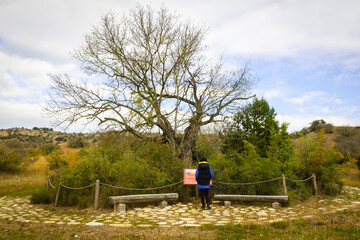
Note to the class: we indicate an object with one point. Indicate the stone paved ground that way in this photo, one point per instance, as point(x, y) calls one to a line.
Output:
point(19, 209)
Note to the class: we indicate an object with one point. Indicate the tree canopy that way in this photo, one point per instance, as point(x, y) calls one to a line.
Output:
point(255, 123)
point(158, 78)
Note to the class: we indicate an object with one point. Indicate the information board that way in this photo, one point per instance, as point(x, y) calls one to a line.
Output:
point(189, 176)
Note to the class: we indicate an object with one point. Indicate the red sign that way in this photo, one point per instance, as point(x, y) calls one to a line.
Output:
point(189, 176)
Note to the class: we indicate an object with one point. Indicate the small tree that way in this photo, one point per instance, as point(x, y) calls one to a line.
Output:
point(157, 79)
point(255, 123)
point(10, 160)
point(312, 156)
point(317, 125)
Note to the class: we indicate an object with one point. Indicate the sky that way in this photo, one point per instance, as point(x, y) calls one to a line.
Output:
point(305, 53)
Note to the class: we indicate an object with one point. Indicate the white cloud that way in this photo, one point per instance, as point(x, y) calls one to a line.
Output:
point(325, 110)
point(273, 93)
point(51, 28)
point(26, 78)
point(306, 97)
point(338, 101)
point(13, 114)
point(298, 122)
point(291, 28)
point(349, 109)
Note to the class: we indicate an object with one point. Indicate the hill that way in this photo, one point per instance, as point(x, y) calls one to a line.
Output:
point(40, 137)
point(346, 139)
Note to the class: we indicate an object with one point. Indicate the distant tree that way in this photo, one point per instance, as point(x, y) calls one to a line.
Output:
point(60, 139)
point(317, 125)
point(157, 79)
point(48, 148)
point(78, 142)
point(9, 131)
point(11, 160)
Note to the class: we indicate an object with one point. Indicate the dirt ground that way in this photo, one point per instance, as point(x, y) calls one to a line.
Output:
point(18, 230)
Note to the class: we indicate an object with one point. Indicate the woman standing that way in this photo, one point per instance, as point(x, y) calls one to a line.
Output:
point(203, 177)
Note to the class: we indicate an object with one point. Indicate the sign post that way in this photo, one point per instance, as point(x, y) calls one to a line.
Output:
point(189, 179)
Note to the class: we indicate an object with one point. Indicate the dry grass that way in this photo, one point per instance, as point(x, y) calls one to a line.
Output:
point(351, 174)
point(33, 177)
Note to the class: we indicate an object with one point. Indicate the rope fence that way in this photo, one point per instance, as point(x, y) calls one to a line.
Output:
point(243, 184)
point(49, 183)
point(142, 189)
point(98, 183)
point(304, 180)
point(76, 188)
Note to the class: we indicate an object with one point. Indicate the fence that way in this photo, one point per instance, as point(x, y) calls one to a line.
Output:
point(283, 177)
point(98, 183)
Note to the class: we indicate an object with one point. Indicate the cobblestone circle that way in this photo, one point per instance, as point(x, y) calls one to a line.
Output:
point(19, 209)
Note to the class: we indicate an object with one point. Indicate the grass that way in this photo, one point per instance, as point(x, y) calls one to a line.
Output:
point(352, 176)
point(342, 225)
point(25, 182)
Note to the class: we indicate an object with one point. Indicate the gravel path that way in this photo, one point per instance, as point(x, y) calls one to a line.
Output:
point(20, 209)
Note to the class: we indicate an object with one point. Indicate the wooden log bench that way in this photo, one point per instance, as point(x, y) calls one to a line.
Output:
point(120, 201)
point(251, 198)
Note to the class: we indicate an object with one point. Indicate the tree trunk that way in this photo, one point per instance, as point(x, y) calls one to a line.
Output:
point(188, 144)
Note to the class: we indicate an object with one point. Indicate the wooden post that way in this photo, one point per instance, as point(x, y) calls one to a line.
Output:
point(284, 184)
point(185, 192)
point(315, 185)
point(196, 193)
point(96, 198)
point(57, 194)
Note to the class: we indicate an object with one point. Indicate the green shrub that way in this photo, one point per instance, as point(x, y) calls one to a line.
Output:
point(10, 160)
point(77, 142)
point(47, 148)
point(247, 167)
point(312, 156)
point(118, 162)
point(56, 159)
point(41, 196)
point(60, 139)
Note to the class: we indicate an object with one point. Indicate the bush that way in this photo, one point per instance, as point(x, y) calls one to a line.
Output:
point(56, 159)
point(247, 167)
point(10, 160)
point(78, 142)
point(48, 148)
point(60, 139)
point(312, 156)
point(41, 196)
point(124, 162)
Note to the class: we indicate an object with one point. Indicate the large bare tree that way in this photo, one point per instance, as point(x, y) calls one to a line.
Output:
point(157, 78)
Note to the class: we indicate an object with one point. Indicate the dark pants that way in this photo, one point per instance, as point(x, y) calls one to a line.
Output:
point(204, 193)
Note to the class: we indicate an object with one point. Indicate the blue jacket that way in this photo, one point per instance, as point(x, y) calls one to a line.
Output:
point(199, 186)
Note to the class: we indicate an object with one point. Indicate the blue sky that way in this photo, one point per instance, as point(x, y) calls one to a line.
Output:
point(305, 53)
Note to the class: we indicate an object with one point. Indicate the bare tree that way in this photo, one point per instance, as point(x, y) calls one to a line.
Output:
point(157, 78)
